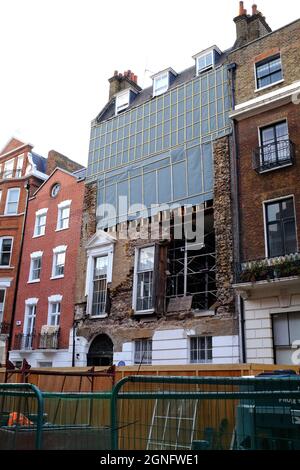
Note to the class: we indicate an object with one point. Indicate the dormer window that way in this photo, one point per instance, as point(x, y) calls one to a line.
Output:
point(206, 60)
point(160, 84)
point(162, 81)
point(122, 101)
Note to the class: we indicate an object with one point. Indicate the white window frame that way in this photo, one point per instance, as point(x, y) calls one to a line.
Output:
point(11, 172)
point(29, 303)
point(135, 279)
point(121, 107)
point(38, 214)
point(3, 304)
point(206, 360)
point(162, 89)
point(207, 66)
point(93, 253)
point(60, 208)
point(9, 191)
point(5, 266)
point(264, 208)
point(56, 251)
point(34, 256)
point(19, 167)
point(143, 342)
point(54, 300)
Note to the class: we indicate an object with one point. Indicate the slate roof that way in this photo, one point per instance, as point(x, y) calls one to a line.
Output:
point(145, 95)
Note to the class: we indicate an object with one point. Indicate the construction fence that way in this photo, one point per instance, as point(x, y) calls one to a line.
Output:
point(101, 379)
point(156, 413)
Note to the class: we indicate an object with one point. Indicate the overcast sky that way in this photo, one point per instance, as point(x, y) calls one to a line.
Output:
point(57, 55)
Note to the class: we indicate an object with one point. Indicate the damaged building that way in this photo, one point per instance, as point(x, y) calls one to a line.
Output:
point(155, 267)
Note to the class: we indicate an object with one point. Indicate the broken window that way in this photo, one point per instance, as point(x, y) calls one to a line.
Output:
point(191, 272)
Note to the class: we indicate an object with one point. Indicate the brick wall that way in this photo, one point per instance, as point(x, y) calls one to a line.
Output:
point(286, 40)
point(56, 159)
point(71, 189)
point(255, 188)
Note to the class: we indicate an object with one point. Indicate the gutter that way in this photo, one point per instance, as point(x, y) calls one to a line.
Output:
point(239, 305)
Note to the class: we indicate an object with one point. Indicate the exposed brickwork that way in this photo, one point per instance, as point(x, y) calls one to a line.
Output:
point(87, 230)
point(223, 226)
point(58, 160)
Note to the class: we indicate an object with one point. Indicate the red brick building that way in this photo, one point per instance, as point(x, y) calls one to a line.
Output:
point(19, 166)
point(267, 171)
point(45, 301)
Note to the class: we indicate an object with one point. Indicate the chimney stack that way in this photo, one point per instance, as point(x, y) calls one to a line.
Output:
point(249, 27)
point(119, 82)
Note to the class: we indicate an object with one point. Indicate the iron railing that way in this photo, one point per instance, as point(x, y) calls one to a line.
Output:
point(49, 340)
point(25, 342)
point(274, 155)
point(269, 268)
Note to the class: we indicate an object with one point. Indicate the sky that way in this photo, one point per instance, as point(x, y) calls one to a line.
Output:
point(57, 55)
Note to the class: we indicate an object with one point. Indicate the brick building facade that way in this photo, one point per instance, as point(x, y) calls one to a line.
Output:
point(22, 171)
point(267, 170)
point(162, 146)
point(43, 322)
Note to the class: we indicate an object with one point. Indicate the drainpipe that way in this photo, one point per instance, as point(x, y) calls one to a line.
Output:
point(239, 302)
point(10, 334)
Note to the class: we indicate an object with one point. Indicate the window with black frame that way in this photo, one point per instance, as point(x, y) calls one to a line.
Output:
point(281, 227)
point(268, 71)
point(275, 145)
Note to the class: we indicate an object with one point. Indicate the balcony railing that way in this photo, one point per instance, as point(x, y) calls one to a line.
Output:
point(27, 342)
point(269, 268)
point(4, 328)
point(49, 340)
point(274, 155)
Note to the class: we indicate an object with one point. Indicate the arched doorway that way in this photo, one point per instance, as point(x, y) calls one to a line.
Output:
point(101, 351)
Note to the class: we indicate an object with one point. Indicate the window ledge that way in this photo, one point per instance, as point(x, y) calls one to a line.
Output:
point(60, 229)
point(204, 313)
point(262, 172)
point(257, 90)
point(6, 267)
point(33, 281)
point(37, 236)
point(144, 312)
point(57, 277)
point(105, 315)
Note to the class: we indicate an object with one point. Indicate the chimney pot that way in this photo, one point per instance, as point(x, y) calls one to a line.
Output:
point(254, 9)
point(241, 10)
point(115, 73)
point(132, 77)
point(135, 79)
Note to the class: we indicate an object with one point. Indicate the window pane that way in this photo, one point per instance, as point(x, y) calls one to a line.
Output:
point(290, 240)
point(146, 258)
point(273, 211)
point(275, 240)
point(281, 331)
point(294, 324)
point(101, 264)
